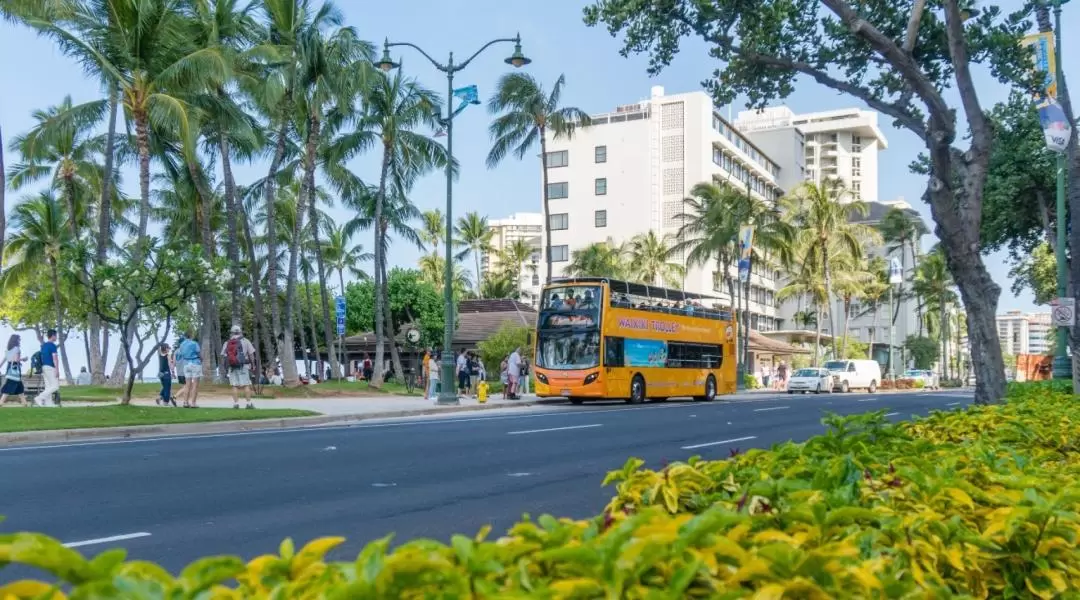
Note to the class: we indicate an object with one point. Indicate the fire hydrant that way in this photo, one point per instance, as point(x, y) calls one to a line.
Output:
point(482, 392)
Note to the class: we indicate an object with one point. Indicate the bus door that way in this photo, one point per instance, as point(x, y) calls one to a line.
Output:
point(616, 376)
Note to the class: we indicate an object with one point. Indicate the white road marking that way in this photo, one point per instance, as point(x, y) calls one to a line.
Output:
point(771, 408)
point(720, 443)
point(867, 400)
point(553, 429)
point(954, 404)
point(383, 485)
point(329, 448)
point(518, 474)
point(107, 540)
point(892, 414)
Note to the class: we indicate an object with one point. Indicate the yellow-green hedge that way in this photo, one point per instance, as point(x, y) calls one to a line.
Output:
point(973, 504)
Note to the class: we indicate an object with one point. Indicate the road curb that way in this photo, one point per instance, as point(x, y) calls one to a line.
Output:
point(119, 433)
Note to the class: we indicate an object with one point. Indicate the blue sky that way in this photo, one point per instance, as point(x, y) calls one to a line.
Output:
point(34, 75)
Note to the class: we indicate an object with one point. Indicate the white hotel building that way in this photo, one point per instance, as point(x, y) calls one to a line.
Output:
point(527, 227)
point(632, 169)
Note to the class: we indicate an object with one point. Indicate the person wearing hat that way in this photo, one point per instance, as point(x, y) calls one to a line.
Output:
point(239, 355)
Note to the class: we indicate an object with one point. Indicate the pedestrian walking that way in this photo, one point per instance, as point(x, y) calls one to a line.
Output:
point(178, 366)
point(781, 376)
point(526, 369)
point(504, 376)
point(424, 373)
point(50, 374)
point(13, 385)
point(166, 366)
point(191, 353)
point(369, 368)
point(239, 353)
point(432, 392)
point(462, 366)
point(513, 369)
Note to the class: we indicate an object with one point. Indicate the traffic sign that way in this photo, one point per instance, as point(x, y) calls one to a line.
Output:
point(1063, 312)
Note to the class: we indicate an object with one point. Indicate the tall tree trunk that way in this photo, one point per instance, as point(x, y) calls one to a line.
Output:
point(303, 337)
point(479, 290)
point(256, 288)
point(142, 140)
point(307, 195)
point(328, 324)
point(547, 209)
point(380, 324)
point(873, 335)
point(847, 322)
point(232, 248)
point(314, 338)
point(395, 357)
point(60, 333)
point(3, 201)
point(269, 198)
point(99, 334)
point(817, 335)
point(828, 294)
point(944, 337)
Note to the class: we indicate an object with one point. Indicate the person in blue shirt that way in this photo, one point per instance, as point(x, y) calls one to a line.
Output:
point(50, 372)
point(190, 352)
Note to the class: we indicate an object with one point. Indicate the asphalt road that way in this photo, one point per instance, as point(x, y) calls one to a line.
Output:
point(174, 500)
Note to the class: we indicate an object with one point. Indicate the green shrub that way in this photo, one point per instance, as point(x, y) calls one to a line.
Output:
point(751, 382)
point(980, 503)
point(918, 384)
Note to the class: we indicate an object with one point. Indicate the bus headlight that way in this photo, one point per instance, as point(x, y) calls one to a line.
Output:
point(591, 377)
point(541, 378)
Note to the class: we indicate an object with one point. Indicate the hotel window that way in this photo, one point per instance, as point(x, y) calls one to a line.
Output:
point(558, 159)
point(600, 218)
point(856, 189)
point(856, 144)
point(601, 186)
point(558, 222)
point(558, 190)
point(535, 279)
point(856, 167)
point(560, 253)
point(600, 154)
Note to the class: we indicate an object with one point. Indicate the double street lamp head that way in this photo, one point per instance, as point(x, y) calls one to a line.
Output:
point(516, 60)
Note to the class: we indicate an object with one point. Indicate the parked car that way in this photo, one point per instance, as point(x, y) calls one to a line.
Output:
point(810, 380)
point(854, 374)
point(929, 378)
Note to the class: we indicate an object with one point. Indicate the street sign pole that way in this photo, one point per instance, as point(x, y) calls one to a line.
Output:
point(339, 306)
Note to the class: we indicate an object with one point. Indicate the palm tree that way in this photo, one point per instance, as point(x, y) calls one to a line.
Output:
point(513, 259)
point(340, 255)
point(474, 236)
point(529, 115)
point(41, 233)
point(934, 284)
point(902, 230)
point(432, 229)
point(852, 277)
point(822, 212)
point(600, 259)
point(395, 108)
point(62, 145)
point(433, 271)
point(650, 260)
point(805, 280)
point(499, 285)
point(874, 294)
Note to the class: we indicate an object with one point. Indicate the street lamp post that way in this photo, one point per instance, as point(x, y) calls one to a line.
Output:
point(448, 395)
point(1062, 364)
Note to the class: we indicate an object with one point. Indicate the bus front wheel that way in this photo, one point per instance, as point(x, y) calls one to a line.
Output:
point(577, 401)
point(710, 390)
point(637, 390)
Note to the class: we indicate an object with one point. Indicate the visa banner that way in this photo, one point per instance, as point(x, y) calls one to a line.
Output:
point(746, 245)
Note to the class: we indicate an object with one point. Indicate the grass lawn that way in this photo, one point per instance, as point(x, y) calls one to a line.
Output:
point(19, 418)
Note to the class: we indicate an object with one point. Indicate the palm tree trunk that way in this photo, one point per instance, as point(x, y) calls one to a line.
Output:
point(873, 334)
point(547, 210)
point(943, 333)
point(380, 199)
point(328, 324)
point(288, 342)
point(828, 295)
point(61, 334)
point(98, 350)
point(817, 336)
point(304, 345)
point(313, 338)
point(269, 198)
point(232, 248)
point(3, 201)
point(142, 140)
point(395, 356)
point(256, 287)
point(847, 322)
point(479, 290)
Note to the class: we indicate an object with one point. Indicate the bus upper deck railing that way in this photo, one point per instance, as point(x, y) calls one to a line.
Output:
point(688, 309)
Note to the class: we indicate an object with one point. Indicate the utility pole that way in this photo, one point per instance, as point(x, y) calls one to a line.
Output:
point(1062, 364)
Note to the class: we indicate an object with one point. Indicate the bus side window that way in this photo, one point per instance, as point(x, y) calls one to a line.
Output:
point(613, 351)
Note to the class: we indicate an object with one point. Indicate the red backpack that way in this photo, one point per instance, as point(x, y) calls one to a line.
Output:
point(235, 356)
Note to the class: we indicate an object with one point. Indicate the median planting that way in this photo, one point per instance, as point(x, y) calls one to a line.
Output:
point(973, 504)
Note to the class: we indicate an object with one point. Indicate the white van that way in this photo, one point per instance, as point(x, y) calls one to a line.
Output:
point(854, 374)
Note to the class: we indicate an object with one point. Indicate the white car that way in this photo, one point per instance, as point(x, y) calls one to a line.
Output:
point(852, 374)
point(929, 378)
point(810, 380)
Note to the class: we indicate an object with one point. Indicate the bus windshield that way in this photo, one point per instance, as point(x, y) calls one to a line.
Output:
point(564, 350)
point(572, 298)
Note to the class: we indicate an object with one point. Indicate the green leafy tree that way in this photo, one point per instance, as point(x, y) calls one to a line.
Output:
point(530, 115)
point(652, 260)
point(600, 259)
point(934, 284)
point(899, 61)
point(473, 236)
point(923, 351)
point(342, 255)
point(515, 258)
point(1037, 273)
point(412, 301)
point(499, 286)
point(502, 343)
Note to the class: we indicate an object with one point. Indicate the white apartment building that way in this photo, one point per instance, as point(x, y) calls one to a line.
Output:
point(528, 227)
point(631, 171)
point(839, 144)
point(1021, 333)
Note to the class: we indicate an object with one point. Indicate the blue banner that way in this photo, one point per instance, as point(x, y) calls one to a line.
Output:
point(645, 353)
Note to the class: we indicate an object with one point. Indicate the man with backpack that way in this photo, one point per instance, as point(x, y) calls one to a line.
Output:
point(239, 355)
point(50, 373)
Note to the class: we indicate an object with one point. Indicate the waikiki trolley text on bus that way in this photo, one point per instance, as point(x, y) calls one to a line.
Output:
point(648, 324)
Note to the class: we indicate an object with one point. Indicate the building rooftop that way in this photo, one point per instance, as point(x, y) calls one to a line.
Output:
point(863, 122)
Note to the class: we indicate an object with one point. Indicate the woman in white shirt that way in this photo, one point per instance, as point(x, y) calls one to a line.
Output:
point(13, 385)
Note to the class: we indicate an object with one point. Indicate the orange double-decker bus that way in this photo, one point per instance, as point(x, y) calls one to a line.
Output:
point(599, 338)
